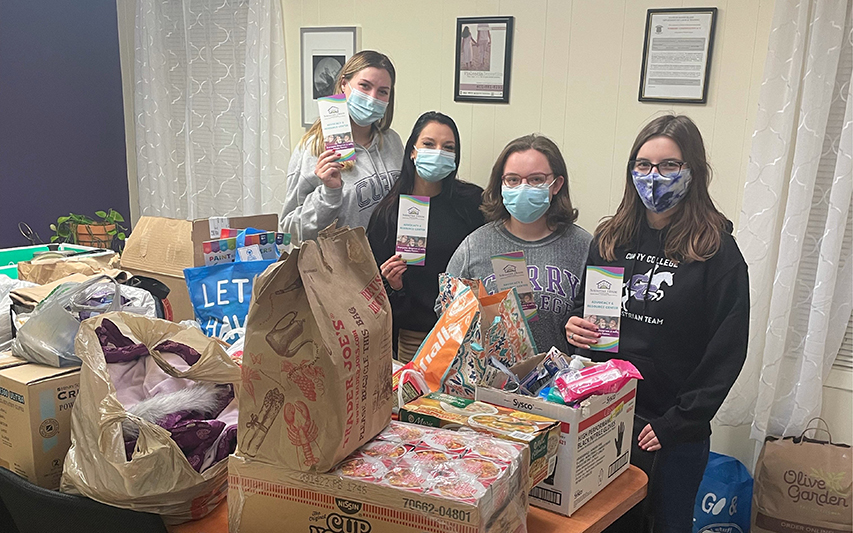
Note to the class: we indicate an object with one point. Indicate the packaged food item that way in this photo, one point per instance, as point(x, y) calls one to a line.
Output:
point(540, 434)
point(377, 490)
point(605, 378)
point(407, 384)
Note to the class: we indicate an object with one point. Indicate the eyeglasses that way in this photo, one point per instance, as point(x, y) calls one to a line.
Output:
point(534, 180)
point(665, 167)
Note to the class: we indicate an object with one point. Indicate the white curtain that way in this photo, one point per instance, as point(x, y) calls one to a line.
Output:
point(796, 215)
point(211, 107)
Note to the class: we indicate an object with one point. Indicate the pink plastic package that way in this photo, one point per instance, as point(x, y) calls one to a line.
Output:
point(605, 378)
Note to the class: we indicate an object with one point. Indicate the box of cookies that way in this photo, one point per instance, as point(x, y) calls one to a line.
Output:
point(539, 433)
point(409, 479)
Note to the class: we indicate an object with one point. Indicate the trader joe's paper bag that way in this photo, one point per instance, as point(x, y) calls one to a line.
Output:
point(317, 356)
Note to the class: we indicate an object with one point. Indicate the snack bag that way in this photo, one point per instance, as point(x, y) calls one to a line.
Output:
point(317, 355)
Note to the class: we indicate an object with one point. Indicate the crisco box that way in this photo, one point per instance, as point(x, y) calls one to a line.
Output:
point(162, 248)
point(595, 445)
point(35, 418)
point(264, 497)
point(540, 433)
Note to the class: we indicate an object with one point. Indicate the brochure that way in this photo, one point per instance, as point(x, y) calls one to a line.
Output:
point(511, 272)
point(412, 226)
point(337, 132)
point(603, 305)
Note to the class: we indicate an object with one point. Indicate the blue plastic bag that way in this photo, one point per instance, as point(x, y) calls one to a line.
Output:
point(220, 294)
point(724, 501)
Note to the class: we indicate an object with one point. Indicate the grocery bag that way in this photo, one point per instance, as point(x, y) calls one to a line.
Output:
point(47, 337)
point(158, 478)
point(221, 293)
point(316, 355)
point(724, 497)
point(44, 271)
point(803, 484)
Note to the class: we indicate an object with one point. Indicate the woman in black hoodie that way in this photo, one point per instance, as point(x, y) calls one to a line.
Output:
point(685, 313)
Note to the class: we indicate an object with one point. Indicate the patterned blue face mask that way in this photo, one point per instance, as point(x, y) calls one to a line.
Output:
point(660, 193)
point(364, 109)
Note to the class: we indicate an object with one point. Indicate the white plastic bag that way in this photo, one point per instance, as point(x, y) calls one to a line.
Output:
point(7, 285)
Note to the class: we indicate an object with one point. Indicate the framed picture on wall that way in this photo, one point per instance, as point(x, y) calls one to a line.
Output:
point(677, 55)
point(323, 54)
point(483, 59)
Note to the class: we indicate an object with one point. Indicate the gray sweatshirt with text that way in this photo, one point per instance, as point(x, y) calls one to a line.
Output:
point(311, 206)
point(554, 265)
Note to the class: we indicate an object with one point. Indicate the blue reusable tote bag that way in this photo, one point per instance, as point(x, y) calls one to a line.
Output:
point(724, 500)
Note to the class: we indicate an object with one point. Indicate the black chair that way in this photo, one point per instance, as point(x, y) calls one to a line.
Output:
point(33, 509)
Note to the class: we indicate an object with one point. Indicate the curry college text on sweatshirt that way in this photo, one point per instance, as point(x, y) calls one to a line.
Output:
point(554, 266)
point(311, 206)
point(684, 326)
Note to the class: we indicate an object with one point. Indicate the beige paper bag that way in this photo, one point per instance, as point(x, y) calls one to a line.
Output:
point(317, 355)
point(44, 271)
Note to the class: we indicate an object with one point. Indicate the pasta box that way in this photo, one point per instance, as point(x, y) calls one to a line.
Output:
point(540, 433)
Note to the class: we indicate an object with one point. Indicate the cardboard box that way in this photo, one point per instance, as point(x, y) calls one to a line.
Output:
point(595, 445)
point(162, 248)
point(264, 497)
point(540, 433)
point(35, 418)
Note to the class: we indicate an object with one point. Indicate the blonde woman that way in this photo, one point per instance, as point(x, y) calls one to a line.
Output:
point(320, 189)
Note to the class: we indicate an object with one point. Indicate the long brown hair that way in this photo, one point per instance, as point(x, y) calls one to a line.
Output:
point(561, 213)
point(356, 63)
point(696, 226)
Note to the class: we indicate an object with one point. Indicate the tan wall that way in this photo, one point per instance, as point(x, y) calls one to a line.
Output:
point(575, 78)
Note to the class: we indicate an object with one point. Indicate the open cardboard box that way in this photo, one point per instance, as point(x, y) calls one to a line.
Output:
point(35, 418)
point(595, 440)
point(162, 248)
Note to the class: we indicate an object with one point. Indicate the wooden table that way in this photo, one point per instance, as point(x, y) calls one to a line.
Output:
point(602, 510)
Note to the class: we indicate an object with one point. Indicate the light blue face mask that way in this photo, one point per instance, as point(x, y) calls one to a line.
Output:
point(434, 165)
point(660, 193)
point(364, 109)
point(526, 203)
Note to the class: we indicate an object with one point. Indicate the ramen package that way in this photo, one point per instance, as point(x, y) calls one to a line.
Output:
point(540, 434)
point(409, 479)
point(316, 375)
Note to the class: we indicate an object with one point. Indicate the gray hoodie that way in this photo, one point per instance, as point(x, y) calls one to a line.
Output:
point(555, 266)
point(311, 206)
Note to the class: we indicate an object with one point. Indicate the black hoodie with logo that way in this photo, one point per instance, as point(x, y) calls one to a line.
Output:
point(684, 326)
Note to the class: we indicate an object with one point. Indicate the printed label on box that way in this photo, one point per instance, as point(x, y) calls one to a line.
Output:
point(217, 224)
point(337, 132)
point(603, 304)
point(511, 272)
point(412, 226)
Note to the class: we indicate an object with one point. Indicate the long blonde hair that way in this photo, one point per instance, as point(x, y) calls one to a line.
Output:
point(356, 63)
point(696, 227)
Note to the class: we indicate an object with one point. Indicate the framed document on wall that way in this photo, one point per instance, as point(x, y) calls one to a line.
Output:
point(677, 55)
point(483, 59)
point(323, 54)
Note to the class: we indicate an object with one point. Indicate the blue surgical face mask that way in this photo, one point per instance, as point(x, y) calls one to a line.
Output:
point(434, 165)
point(364, 109)
point(660, 193)
point(526, 203)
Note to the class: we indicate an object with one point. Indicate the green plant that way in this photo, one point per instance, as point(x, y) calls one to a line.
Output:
point(65, 228)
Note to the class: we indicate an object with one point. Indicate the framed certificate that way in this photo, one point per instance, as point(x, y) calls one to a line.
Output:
point(677, 55)
point(483, 59)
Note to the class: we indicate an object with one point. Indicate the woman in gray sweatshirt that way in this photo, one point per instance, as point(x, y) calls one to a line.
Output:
point(528, 208)
point(320, 189)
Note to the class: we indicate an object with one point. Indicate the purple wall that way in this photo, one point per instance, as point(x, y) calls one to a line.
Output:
point(61, 114)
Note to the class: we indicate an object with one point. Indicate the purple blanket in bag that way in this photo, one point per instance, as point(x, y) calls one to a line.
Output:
point(205, 438)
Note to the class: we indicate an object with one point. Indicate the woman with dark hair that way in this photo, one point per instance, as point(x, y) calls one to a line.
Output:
point(429, 168)
point(320, 189)
point(529, 209)
point(685, 313)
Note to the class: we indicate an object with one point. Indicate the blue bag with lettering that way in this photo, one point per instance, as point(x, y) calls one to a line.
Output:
point(221, 293)
point(724, 501)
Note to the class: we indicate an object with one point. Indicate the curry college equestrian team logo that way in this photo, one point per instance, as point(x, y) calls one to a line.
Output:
point(714, 506)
